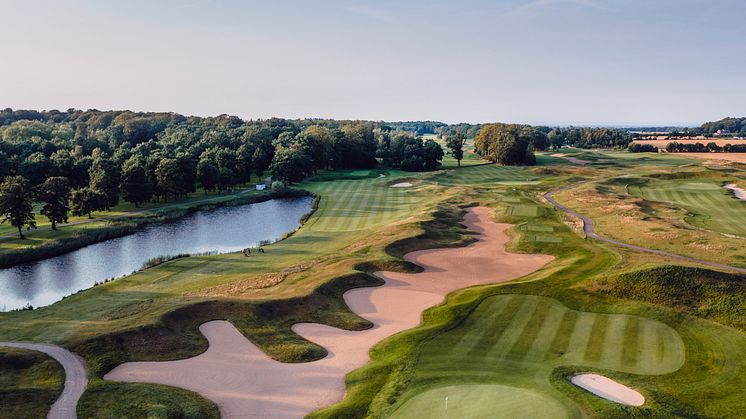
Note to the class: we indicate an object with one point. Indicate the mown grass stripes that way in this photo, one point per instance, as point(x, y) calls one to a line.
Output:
point(714, 206)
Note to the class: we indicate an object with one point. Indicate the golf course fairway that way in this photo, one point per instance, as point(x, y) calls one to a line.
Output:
point(227, 372)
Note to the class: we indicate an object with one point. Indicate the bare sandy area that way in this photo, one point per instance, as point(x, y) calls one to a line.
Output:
point(738, 192)
point(608, 389)
point(574, 160)
point(245, 382)
point(402, 185)
point(734, 157)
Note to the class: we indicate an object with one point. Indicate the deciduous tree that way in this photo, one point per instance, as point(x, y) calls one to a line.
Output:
point(17, 203)
point(55, 194)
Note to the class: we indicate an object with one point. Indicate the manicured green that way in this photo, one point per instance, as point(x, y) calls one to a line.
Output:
point(480, 401)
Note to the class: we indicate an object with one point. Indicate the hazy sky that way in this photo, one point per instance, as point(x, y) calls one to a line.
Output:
point(541, 61)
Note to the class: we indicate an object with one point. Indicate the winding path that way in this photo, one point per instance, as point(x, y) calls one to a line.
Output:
point(590, 232)
point(76, 377)
point(244, 382)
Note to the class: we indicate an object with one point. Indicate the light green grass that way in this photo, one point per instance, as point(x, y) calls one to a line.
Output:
point(488, 174)
point(480, 401)
point(348, 205)
point(712, 206)
point(517, 340)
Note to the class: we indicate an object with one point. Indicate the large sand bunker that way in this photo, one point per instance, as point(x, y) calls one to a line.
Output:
point(402, 185)
point(245, 382)
point(608, 389)
point(740, 193)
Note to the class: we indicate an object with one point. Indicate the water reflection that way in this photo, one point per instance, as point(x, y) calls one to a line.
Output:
point(222, 230)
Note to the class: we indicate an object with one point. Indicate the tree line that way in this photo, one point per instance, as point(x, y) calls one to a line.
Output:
point(92, 159)
point(712, 147)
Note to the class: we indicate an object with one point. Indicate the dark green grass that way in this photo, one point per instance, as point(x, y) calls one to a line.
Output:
point(30, 382)
point(141, 401)
point(701, 292)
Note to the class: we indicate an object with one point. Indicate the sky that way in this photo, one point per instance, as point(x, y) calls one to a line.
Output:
point(600, 62)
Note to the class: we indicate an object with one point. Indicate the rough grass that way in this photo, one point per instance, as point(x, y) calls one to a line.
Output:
point(709, 294)
point(710, 205)
point(30, 382)
point(143, 401)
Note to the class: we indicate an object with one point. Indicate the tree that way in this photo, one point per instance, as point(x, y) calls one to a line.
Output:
point(291, 164)
point(169, 177)
point(84, 201)
point(55, 194)
point(244, 156)
point(506, 144)
point(432, 154)
point(135, 184)
point(104, 178)
point(17, 203)
point(455, 144)
point(260, 160)
point(207, 174)
point(556, 139)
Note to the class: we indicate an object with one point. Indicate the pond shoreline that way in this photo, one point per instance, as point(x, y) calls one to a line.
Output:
point(130, 225)
point(217, 230)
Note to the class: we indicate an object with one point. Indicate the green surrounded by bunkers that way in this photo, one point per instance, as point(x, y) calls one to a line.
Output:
point(514, 342)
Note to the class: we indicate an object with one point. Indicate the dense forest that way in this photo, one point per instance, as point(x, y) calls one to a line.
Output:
point(83, 161)
point(733, 125)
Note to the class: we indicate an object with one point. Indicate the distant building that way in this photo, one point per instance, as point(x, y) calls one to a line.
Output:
point(722, 132)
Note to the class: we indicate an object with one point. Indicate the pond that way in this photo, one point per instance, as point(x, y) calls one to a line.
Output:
point(223, 230)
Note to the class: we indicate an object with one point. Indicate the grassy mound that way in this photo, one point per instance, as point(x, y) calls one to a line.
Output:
point(29, 383)
point(713, 295)
point(105, 402)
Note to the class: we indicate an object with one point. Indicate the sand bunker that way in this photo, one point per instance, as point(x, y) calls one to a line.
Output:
point(608, 389)
point(738, 192)
point(401, 185)
point(244, 382)
point(571, 159)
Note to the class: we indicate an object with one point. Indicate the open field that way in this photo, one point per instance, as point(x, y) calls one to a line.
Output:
point(726, 157)
point(661, 144)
